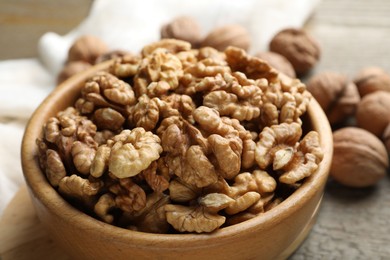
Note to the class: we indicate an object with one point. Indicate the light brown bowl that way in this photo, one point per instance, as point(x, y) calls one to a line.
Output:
point(272, 235)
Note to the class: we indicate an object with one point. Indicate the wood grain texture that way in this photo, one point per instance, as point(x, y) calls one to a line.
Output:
point(22, 235)
point(352, 33)
point(23, 22)
point(353, 223)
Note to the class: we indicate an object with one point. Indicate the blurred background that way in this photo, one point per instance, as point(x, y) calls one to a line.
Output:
point(23, 22)
point(353, 32)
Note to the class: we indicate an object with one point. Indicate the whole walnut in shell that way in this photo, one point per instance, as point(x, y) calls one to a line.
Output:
point(373, 112)
point(110, 55)
point(277, 61)
point(71, 69)
point(298, 47)
point(182, 28)
point(87, 48)
point(359, 158)
point(228, 35)
point(337, 96)
point(372, 79)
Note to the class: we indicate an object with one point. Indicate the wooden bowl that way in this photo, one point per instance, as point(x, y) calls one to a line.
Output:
point(272, 235)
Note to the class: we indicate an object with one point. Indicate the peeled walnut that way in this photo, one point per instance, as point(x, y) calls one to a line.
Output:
point(229, 35)
point(125, 66)
point(105, 90)
point(86, 48)
point(298, 47)
point(152, 217)
point(337, 96)
point(303, 162)
point(159, 65)
point(55, 169)
point(284, 102)
point(359, 158)
point(252, 67)
point(249, 191)
point(279, 145)
point(105, 203)
point(182, 28)
point(71, 69)
point(373, 112)
point(126, 154)
point(153, 177)
point(82, 155)
point(372, 79)
point(70, 138)
point(277, 61)
point(108, 118)
point(187, 161)
point(129, 196)
point(277, 138)
point(199, 218)
point(78, 188)
point(132, 151)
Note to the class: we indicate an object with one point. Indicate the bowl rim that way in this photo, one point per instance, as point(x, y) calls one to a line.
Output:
point(40, 189)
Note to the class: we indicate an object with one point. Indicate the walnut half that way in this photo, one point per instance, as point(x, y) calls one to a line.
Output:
point(199, 218)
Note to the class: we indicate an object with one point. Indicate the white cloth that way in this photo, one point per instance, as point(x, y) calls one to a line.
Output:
point(126, 25)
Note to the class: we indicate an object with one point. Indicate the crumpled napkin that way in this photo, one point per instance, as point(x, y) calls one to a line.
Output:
point(126, 25)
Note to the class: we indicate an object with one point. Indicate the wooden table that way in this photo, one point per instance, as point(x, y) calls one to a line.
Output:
point(353, 223)
point(23, 22)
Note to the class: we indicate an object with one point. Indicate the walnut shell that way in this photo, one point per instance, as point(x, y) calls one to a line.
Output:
point(229, 35)
point(86, 48)
point(372, 79)
point(359, 158)
point(111, 55)
point(373, 112)
point(71, 69)
point(279, 62)
point(386, 138)
point(182, 28)
point(337, 96)
point(298, 47)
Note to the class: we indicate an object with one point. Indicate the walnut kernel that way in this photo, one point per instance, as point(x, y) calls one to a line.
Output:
point(133, 151)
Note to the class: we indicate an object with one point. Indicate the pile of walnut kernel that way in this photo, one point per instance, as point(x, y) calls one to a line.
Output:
point(181, 140)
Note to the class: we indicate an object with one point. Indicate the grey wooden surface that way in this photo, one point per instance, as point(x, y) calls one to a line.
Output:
point(352, 223)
